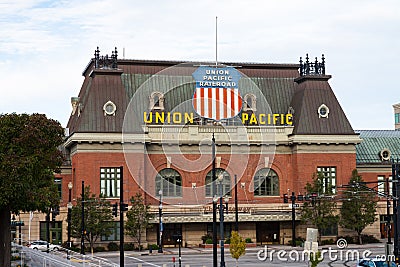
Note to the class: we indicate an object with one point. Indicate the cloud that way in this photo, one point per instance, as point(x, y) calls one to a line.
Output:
point(46, 44)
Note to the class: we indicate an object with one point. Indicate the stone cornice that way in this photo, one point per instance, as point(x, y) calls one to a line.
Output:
point(325, 139)
point(104, 138)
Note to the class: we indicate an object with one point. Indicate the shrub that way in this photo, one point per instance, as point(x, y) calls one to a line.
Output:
point(301, 239)
point(129, 246)
point(228, 240)
point(349, 239)
point(153, 246)
point(112, 246)
point(209, 241)
point(369, 239)
point(248, 240)
point(205, 237)
point(99, 249)
point(299, 243)
point(327, 242)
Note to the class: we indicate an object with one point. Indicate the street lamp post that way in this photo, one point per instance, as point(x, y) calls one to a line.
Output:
point(215, 264)
point(179, 240)
point(69, 206)
point(221, 220)
point(48, 229)
point(83, 220)
point(293, 199)
point(388, 220)
point(160, 249)
point(236, 207)
point(214, 236)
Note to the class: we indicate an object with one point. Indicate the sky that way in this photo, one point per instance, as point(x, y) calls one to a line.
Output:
point(45, 45)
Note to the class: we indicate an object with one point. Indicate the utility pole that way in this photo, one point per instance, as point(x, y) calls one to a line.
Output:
point(123, 207)
point(236, 207)
point(83, 219)
point(396, 213)
point(48, 229)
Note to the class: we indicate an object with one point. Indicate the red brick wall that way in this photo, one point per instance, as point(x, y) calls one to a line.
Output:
point(294, 172)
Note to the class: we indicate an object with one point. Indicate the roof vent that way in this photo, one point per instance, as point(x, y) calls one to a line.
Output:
point(385, 154)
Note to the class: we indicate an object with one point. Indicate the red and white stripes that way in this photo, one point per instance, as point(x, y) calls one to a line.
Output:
point(217, 103)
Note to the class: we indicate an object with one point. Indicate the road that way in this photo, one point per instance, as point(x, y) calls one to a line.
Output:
point(194, 257)
point(281, 256)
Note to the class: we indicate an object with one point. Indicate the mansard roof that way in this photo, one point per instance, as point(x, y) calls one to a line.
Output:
point(279, 84)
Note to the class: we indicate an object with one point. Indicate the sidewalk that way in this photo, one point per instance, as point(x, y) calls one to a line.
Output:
point(198, 250)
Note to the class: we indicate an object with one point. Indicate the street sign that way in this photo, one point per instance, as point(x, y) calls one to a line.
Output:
point(295, 205)
point(17, 223)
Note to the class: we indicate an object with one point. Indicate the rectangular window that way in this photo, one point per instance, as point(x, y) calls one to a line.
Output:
point(109, 182)
point(382, 186)
point(329, 174)
point(331, 230)
point(55, 232)
point(397, 118)
point(114, 236)
point(227, 229)
point(58, 183)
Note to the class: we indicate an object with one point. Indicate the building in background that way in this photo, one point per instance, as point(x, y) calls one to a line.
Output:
point(396, 108)
point(374, 163)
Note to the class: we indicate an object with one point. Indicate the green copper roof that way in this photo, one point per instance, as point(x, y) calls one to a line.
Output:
point(373, 142)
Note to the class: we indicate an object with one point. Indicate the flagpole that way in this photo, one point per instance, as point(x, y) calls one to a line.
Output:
point(216, 42)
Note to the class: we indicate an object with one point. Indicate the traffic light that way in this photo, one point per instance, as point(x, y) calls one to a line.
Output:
point(285, 198)
point(55, 211)
point(115, 209)
point(124, 207)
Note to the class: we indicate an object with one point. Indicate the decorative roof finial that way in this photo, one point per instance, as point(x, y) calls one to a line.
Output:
point(106, 62)
point(312, 68)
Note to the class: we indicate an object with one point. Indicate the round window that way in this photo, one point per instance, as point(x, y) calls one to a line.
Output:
point(385, 154)
point(323, 111)
point(109, 108)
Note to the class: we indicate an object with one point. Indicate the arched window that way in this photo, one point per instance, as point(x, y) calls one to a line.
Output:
point(156, 101)
point(250, 103)
point(170, 182)
point(266, 183)
point(212, 188)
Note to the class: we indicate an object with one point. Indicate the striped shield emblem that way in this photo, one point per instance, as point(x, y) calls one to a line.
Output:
point(217, 95)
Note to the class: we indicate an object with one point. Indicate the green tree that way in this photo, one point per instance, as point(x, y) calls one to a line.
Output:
point(138, 218)
point(320, 211)
point(237, 247)
point(315, 258)
point(97, 216)
point(29, 156)
point(359, 206)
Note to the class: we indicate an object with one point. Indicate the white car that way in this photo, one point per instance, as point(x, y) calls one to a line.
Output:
point(375, 263)
point(42, 246)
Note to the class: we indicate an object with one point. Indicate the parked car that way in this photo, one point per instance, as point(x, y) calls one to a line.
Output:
point(375, 263)
point(42, 246)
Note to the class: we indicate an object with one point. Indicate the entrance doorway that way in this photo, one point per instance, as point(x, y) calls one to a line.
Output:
point(55, 232)
point(267, 232)
point(383, 226)
point(169, 233)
